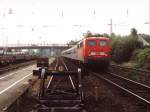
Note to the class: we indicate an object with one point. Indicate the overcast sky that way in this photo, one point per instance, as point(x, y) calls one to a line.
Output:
point(59, 21)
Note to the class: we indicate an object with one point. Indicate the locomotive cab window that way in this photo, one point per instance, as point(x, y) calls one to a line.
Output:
point(92, 43)
point(102, 43)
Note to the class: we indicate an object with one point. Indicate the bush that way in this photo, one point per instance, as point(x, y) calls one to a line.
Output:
point(123, 47)
point(142, 56)
point(116, 50)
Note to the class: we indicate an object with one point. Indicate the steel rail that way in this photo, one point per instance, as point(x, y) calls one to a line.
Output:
point(77, 101)
point(131, 92)
point(129, 80)
point(134, 69)
point(51, 77)
point(70, 78)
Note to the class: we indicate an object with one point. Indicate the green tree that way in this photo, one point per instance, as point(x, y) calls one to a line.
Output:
point(123, 47)
point(133, 32)
point(73, 42)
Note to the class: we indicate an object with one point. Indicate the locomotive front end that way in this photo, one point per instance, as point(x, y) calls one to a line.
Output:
point(97, 51)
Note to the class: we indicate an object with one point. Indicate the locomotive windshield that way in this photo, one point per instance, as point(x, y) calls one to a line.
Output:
point(102, 43)
point(91, 43)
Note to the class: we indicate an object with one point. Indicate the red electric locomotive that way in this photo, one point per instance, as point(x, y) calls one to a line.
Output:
point(93, 51)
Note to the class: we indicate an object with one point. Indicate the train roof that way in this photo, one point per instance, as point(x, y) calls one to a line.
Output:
point(91, 38)
point(88, 38)
point(70, 49)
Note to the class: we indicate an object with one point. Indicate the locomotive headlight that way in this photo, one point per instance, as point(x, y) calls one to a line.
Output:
point(92, 53)
point(101, 53)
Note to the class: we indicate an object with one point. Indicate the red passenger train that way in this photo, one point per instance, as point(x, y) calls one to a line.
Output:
point(93, 51)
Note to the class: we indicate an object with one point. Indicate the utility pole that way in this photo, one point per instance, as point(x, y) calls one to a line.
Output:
point(111, 26)
point(149, 17)
point(5, 40)
point(148, 22)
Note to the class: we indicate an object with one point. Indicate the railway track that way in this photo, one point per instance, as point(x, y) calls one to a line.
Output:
point(139, 71)
point(62, 91)
point(138, 90)
point(56, 98)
